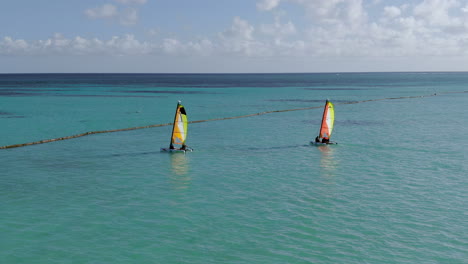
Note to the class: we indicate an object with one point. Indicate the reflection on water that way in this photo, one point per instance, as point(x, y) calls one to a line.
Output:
point(328, 164)
point(180, 168)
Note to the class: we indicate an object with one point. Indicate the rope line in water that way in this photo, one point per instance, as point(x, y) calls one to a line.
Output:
point(208, 120)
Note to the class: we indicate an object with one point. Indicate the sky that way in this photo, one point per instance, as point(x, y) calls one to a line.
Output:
point(232, 36)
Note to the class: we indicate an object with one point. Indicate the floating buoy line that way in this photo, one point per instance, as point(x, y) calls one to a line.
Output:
point(209, 120)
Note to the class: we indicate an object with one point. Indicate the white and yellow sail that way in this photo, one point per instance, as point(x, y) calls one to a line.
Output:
point(328, 121)
point(179, 130)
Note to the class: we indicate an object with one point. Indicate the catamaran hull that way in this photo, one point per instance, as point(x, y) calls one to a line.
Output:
point(322, 144)
point(176, 150)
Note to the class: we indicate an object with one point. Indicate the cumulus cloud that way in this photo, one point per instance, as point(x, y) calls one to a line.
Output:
point(465, 9)
point(173, 46)
point(115, 46)
point(203, 47)
point(9, 45)
point(240, 29)
point(239, 38)
point(58, 44)
point(104, 11)
point(421, 28)
point(436, 12)
point(391, 11)
point(127, 16)
point(334, 12)
point(333, 28)
point(277, 29)
point(266, 5)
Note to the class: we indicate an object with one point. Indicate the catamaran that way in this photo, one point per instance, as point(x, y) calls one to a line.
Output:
point(326, 128)
point(179, 131)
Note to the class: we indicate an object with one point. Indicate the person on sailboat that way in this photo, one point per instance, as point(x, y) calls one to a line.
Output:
point(325, 139)
point(181, 148)
point(317, 139)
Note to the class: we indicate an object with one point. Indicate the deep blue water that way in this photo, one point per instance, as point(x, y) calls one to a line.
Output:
point(253, 191)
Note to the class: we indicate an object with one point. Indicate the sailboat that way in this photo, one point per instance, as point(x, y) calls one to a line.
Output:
point(326, 128)
point(179, 131)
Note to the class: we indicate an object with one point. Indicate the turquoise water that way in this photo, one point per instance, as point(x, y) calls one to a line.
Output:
point(253, 191)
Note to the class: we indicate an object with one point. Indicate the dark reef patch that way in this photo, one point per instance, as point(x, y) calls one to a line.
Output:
point(333, 89)
point(307, 100)
point(169, 92)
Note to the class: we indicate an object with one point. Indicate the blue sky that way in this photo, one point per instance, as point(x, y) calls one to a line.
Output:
point(233, 36)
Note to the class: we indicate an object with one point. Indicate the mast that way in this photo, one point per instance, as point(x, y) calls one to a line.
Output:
point(323, 118)
point(171, 146)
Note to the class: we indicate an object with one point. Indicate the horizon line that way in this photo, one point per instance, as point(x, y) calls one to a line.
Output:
point(213, 73)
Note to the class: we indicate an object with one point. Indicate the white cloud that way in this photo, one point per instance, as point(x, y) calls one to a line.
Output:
point(240, 29)
point(115, 46)
point(129, 17)
point(355, 13)
point(267, 5)
point(104, 11)
point(277, 29)
point(9, 46)
point(334, 12)
point(335, 29)
point(465, 9)
point(203, 47)
point(173, 46)
point(436, 12)
point(342, 28)
point(127, 45)
point(126, 17)
point(58, 44)
point(239, 38)
point(153, 32)
point(392, 11)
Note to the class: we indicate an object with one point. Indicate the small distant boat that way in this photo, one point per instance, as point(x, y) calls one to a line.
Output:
point(326, 128)
point(179, 131)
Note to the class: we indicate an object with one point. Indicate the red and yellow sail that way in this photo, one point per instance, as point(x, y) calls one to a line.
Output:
point(179, 130)
point(328, 121)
